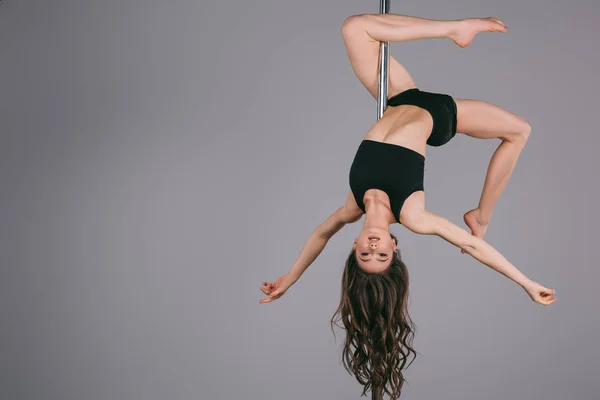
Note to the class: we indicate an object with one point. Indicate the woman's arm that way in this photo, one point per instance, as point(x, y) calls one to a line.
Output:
point(314, 245)
point(317, 241)
point(430, 224)
point(424, 222)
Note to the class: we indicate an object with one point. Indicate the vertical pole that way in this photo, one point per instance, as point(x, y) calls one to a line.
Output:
point(382, 95)
point(384, 66)
point(376, 393)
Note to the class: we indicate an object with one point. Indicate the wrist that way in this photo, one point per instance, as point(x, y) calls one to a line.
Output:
point(524, 282)
point(292, 277)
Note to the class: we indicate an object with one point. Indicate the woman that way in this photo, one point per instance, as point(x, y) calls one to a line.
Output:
point(386, 184)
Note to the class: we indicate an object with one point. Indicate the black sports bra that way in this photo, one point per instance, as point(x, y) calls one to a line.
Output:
point(396, 170)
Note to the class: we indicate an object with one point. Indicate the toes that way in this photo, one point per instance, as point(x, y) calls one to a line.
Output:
point(496, 20)
point(496, 25)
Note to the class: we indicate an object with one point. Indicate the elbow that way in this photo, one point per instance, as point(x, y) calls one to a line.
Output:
point(468, 248)
point(470, 244)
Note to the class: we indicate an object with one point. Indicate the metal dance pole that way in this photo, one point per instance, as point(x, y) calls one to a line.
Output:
point(376, 393)
point(382, 95)
point(384, 66)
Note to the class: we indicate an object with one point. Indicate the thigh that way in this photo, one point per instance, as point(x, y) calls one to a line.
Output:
point(363, 53)
point(485, 120)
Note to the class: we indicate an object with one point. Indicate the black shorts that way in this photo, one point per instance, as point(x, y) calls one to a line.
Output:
point(441, 107)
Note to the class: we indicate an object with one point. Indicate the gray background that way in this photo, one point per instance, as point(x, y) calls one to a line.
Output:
point(158, 160)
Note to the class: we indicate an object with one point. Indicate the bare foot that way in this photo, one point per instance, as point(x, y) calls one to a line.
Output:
point(466, 29)
point(474, 223)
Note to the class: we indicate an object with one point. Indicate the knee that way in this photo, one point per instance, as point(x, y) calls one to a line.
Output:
point(524, 131)
point(521, 133)
point(352, 24)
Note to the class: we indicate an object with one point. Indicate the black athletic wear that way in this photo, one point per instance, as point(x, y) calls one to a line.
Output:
point(441, 107)
point(397, 170)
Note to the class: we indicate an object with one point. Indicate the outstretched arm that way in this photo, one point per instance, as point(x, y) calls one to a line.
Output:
point(317, 242)
point(314, 245)
point(431, 224)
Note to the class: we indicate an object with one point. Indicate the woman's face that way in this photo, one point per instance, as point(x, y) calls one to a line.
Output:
point(374, 249)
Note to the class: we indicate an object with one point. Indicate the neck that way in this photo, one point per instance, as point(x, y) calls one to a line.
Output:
point(378, 215)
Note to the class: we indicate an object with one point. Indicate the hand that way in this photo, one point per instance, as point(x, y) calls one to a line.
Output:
point(277, 289)
point(466, 29)
point(539, 293)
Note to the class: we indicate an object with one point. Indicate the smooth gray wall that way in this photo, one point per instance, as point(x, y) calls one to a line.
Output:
point(158, 160)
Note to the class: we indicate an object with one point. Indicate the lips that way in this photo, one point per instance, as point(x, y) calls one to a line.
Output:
point(373, 237)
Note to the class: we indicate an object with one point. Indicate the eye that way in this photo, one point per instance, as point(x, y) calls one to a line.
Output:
point(364, 254)
point(382, 254)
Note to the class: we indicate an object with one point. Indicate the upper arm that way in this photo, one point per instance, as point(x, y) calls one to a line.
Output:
point(348, 213)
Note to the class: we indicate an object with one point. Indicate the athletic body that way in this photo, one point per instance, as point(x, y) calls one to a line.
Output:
point(408, 128)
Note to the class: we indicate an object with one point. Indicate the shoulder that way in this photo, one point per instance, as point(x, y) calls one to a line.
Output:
point(338, 219)
point(414, 216)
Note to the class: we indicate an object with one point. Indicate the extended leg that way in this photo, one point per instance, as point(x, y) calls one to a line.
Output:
point(484, 120)
point(363, 33)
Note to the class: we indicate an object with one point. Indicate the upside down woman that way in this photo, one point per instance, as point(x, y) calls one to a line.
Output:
point(386, 185)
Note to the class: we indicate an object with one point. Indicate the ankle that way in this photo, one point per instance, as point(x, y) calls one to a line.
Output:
point(451, 28)
point(483, 217)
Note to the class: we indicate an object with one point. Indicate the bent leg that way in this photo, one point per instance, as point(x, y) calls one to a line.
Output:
point(363, 33)
point(484, 120)
point(363, 53)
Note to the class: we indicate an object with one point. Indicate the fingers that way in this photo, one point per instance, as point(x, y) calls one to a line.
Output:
point(551, 301)
point(545, 296)
point(267, 300)
point(270, 298)
point(268, 292)
point(547, 293)
point(547, 302)
point(268, 288)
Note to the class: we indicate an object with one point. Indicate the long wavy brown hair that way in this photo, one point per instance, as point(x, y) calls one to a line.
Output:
point(379, 331)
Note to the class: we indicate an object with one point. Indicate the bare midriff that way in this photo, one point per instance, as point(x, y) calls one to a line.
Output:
point(406, 125)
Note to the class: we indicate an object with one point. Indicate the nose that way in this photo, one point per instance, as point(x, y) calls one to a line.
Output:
point(373, 245)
